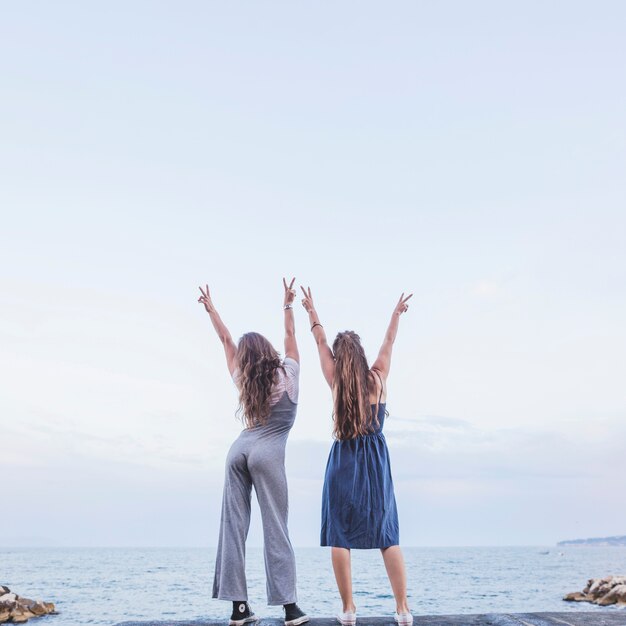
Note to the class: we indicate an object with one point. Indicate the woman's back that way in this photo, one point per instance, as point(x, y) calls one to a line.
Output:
point(283, 402)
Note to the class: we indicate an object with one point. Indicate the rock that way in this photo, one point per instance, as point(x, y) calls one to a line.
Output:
point(599, 586)
point(8, 600)
point(616, 595)
point(577, 596)
point(601, 591)
point(4, 589)
point(50, 608)
point(18, 610)
point(25, 602)
point(19, 615)
point(38, 608)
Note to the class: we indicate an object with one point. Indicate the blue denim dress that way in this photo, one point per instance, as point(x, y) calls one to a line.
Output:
point(358, 502)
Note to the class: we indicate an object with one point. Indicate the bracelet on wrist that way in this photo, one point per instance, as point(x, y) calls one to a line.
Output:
point(288, 306)
point(316, 324)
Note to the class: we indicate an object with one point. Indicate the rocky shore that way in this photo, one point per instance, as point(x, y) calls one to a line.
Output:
point(17, 610)
point(602, 591)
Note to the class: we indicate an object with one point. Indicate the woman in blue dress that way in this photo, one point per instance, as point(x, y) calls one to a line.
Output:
point(358, 502)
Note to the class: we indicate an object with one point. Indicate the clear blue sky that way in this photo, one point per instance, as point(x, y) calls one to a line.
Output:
point(473, 153)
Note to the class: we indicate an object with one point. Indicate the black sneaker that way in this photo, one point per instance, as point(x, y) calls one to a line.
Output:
point(242, 614)
point(294, 615)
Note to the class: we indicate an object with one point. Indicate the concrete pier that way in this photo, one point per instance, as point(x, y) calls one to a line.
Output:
point(615, 617)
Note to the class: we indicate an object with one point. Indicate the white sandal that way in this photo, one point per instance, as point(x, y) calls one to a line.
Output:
point(347, 619)
point(403, 619)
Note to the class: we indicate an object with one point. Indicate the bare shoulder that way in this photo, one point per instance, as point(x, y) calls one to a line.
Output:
point(378, 387)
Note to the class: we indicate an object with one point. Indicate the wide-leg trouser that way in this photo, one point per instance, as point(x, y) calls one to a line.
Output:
point(261, 465)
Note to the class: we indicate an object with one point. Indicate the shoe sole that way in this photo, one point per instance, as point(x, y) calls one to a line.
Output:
point(241, 622)
point(297, 621)
point(346, 622)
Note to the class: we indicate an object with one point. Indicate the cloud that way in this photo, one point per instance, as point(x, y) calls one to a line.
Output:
point(441, 447)
point(445, 470)
point(436, 421)
point(445, 448)
point(46, 441)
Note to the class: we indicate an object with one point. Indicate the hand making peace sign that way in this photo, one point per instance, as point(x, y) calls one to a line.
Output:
point(205, 299)
point(307, 301)
point(402, 306)
point(290, 292)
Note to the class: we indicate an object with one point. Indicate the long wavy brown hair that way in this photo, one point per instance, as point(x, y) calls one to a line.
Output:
point(351, 388)
point(258, 363)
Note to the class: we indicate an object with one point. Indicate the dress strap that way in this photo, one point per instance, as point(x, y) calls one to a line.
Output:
point(380, 395)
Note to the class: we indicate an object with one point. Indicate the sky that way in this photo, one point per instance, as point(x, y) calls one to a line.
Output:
point(470, 153)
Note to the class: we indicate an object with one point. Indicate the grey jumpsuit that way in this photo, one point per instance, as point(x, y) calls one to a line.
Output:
point(257, 458)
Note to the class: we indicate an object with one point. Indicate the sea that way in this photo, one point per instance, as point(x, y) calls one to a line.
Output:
point(112, 585)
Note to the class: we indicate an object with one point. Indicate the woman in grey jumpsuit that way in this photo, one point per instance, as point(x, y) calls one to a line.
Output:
point(268, 396)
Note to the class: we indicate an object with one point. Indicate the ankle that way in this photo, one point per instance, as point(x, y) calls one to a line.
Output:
point(240, 607)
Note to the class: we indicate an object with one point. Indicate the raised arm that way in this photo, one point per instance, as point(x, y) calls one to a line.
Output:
point(327, 360)
point(383, 361)
point(230, 348)
point(291, 345)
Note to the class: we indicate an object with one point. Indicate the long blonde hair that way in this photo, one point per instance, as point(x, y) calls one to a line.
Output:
point(351, 388)
point(258, 363)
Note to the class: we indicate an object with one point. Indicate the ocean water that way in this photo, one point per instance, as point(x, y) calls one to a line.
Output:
point(110, 585)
